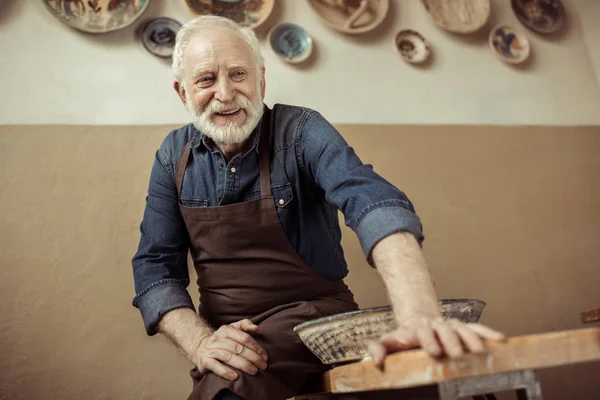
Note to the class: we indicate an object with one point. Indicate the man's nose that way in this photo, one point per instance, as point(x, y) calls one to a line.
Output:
point(224, 91)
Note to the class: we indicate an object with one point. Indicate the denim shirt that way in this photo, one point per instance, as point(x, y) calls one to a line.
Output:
point(314, 173)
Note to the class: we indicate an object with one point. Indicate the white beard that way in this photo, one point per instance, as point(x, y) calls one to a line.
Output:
point(230, 133)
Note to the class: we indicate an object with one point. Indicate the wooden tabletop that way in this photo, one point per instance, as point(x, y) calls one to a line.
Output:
point(417, 368)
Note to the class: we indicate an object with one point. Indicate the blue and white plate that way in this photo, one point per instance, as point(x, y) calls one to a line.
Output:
point(509, 44)
point(291, 42)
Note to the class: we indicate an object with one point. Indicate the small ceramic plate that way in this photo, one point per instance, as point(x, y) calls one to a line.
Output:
point(542, 16)
point(412, 46)
point(351, 16)
point(458, 16)
point(509, 44)
point(290, 42)
point(158, 36)
point(247, 13)
point(97, 16)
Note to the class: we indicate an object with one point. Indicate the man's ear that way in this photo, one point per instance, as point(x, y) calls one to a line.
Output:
point(263, 83)
point(180, 89)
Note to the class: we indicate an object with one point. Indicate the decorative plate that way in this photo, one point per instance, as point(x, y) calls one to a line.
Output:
point(351, 16)
point(97, 16)
point(509, 44)
point(412, 46)
point(290, 42)
point(542, 16)
point(158, 36)
point(458, 16)
point(247, 13)
point(344, 337)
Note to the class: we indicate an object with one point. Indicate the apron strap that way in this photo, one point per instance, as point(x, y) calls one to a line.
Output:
point(181, 165)
point(265, 153)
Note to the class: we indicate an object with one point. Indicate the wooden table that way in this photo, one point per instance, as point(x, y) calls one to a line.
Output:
point(505, 366)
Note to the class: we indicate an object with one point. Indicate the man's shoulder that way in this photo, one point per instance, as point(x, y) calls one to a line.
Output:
point(174, 143)
point(291, 119)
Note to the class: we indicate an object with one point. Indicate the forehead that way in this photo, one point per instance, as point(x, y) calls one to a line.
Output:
point(216, 47)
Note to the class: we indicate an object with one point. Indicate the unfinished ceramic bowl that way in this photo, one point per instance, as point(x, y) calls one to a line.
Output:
point(343, 337)
point(97, 16)
point(412, 46)
point(541, 16)
point(458, 16)
point(290, 42)
point(247, 13)
point(351, 16)
point(510, 45)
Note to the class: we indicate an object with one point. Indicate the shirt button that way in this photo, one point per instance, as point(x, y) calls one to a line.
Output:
point(281, 202)
point(233, 170)
point(220, 165)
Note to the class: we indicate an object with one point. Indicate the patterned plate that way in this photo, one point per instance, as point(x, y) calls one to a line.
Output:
point(247, 13)
point(509, 44)
point(290, 42)
point(458, 16)
point(97, 16)
point(158, 36)
point(542, 16)
point(412, 46)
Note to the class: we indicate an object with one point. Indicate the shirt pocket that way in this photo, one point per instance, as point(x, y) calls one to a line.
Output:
point(282, 194)
point(194, 203)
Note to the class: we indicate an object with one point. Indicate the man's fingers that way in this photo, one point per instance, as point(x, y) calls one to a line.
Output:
point(234, 360)
point(219, 369)
point(470, 339)
point(448, 339)
point(485, 332)
point(245, 325)
point(377, 352)
point(429, 343)
point(227, 344)
point(244, 339)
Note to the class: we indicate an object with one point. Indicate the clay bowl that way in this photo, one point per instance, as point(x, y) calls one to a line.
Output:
point(247, 13)
point(351, 16)
point(510, 45)
point(97, 16)
point(458, 16)
point(158, 36)
point(343, 337)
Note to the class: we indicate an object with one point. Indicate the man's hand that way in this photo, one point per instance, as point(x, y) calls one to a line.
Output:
point(231, 345)
point(436, 336)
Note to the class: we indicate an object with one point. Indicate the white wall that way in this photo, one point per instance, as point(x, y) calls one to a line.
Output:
point(50, 73)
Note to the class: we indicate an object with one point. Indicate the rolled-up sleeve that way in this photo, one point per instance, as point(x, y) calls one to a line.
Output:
point(372, 206)
point(160, 264)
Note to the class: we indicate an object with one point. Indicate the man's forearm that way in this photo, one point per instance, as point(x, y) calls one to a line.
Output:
point(184, 328)
point(403, 268)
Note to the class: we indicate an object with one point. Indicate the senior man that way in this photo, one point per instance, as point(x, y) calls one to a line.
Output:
point(253, 194)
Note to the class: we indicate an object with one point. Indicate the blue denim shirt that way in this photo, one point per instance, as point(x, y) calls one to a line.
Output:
point(314, 173)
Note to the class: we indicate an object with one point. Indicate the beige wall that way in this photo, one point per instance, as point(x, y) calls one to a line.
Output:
point(511, 217)
point(56, 75)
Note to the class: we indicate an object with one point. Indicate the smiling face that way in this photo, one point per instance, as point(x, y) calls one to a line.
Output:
point(222, 87)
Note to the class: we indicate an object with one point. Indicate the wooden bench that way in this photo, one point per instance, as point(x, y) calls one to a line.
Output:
point(505, 366)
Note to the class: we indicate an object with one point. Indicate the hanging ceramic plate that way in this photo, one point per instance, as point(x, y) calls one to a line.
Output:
point(459, 16)
point(542, 16)
point(351, 16)
point(97, 16)
point(412, 46)
point(158, 36)
point(509, 44)
point(247, 13)
point(290, 42)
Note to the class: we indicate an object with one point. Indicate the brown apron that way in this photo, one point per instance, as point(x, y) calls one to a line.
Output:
point(247, 268)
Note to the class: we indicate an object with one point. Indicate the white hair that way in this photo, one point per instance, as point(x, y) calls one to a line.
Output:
point(190, 28)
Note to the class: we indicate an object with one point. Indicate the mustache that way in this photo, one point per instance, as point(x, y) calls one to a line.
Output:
point(239, 101)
